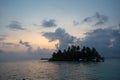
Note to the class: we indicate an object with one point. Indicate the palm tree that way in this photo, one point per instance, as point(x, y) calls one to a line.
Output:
point(74, 53)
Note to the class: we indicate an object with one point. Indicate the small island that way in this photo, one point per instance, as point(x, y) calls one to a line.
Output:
point(74, 53)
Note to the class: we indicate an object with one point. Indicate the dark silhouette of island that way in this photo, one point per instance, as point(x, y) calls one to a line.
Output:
point(74, 53)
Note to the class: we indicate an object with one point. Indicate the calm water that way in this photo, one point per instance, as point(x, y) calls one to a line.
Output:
point(44, 70)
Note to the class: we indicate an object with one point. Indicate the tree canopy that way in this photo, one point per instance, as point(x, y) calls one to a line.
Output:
point(75, 53)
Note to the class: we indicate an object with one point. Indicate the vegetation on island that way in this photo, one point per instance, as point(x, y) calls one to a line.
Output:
point(74, 53)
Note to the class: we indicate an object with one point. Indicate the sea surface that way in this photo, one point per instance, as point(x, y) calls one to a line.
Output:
point(44, 70)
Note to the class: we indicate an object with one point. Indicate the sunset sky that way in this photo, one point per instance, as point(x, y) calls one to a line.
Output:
point(38, 25)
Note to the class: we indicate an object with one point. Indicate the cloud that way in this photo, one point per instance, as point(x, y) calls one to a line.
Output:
point(30, 54)
point(43, 52)
point(2, 37)
point(49, 23)
point(65, 39)
point(1, 51)
point(8, 44)
point(75, 23)
point(15, 25)
point(18, 56)
point(26, 44)
point(105, 40)
point(97, 19)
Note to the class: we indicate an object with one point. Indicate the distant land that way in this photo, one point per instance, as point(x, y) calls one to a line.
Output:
point(74, 53)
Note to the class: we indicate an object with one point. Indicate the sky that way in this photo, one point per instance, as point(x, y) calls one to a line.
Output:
point(39, 27)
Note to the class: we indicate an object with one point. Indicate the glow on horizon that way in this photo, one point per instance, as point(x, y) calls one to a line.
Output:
point(35, 40)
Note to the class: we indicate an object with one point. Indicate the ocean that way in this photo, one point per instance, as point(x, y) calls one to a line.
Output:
point(45, 70)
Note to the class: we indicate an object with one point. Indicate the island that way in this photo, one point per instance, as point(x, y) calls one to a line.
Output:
point(74, 53)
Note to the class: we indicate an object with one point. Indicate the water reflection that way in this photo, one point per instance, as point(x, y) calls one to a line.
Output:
point(73, 71)
point(44, 70)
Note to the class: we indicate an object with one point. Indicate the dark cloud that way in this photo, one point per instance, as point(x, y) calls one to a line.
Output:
point(1, 51)
point(119, 25)
point(15, 25)
point(26, 44)
point(75, 23)
point(49, 23)
point(65, 39)
point(8, 44)
point(2, 37)
point(97, 19)
point(105, 40)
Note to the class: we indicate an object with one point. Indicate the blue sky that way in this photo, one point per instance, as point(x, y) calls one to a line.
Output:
point(32, 21)
point(42, 9)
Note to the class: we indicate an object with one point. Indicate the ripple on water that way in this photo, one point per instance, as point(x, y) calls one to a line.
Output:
point(44, 70)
